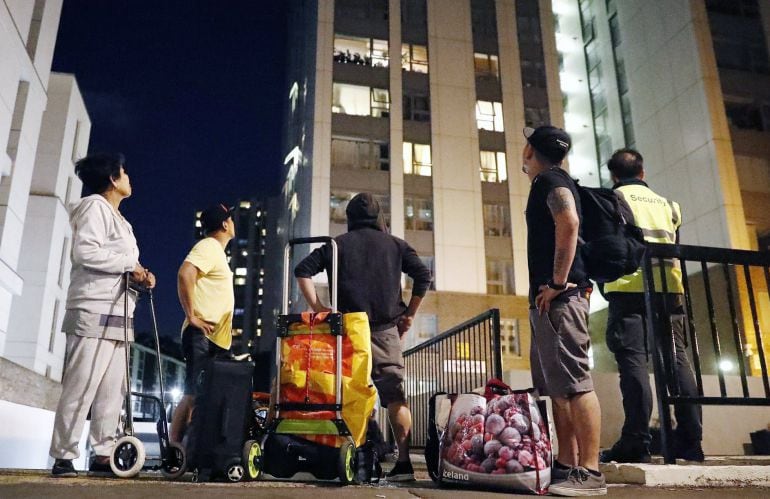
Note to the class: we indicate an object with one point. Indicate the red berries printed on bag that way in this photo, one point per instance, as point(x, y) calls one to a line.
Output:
point(499, 439)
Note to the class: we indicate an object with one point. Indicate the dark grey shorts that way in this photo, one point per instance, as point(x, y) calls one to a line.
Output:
point(388, 366)
point(559, 350)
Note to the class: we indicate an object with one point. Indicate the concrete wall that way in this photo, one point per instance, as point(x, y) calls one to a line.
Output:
point(27, 38)
point(34, 337)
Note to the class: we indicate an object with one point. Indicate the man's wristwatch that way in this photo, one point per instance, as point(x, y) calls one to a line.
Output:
point(557, 287)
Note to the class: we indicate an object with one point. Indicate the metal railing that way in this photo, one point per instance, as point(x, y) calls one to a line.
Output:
point(730, 318)
point(456, 361)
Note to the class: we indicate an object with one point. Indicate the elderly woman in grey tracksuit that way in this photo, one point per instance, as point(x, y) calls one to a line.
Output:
point(103, 251)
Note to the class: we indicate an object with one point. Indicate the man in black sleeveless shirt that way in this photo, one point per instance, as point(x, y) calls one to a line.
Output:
point(559, 292)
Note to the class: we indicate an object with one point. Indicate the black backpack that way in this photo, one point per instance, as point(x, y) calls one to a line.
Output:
point(610, 244)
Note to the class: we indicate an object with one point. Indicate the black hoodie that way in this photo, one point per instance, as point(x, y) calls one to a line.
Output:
point(370, 265)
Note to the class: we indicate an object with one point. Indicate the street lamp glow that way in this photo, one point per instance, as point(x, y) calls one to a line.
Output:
point(726, 366)
point(176, 394)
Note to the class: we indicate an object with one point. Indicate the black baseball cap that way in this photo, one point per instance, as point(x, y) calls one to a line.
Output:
point(553, 143)
point(213, 216)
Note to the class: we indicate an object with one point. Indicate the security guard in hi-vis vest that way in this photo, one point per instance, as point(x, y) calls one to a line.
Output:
point(659, 219)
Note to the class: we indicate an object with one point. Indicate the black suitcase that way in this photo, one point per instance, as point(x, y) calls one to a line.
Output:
point(221, 420)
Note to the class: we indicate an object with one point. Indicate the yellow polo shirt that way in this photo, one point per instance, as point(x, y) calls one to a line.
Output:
point(213, 296)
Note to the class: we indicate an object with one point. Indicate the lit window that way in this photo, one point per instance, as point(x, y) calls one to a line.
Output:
point(240, 281)
point(359, 100)
point(360, 154)
point(493, 168)
point(489, 116)
point(264, 232)
point(497, 220)
point(499, 277)
point(361, 51)
point(417, 159)
point(414, 58)
point(486, 65)
point(338, 202)
point(240, 271)
point(245, 204)
point(244, 253)
point(260, 292)
point(198, 223)
point(418, 213)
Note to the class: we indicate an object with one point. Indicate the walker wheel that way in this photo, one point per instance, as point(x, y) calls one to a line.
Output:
point(345, 463)
point(252, 459)
point(127, 458)
point(175, 464)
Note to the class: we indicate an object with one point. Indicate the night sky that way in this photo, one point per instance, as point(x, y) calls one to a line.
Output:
point(192, 92)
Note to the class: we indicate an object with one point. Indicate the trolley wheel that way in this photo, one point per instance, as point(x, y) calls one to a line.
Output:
point(234, 471)
point(127, 458)
point(346, 463)
point(252, 459)
point(175, 463)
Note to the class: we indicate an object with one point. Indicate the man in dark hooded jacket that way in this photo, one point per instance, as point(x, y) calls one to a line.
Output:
point(370, 265)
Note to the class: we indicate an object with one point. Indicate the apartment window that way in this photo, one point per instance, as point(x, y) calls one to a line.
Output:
point(587, 20)
point(414, 58)
point(339, 200)
point(510, 339)
point(533, 73)
point(54, 329)
point(486, 65)
point(748, 115)
point(240, 281)
point(497, 220)
point(499, 277)
point(483, 19)
point(536, 116)
point(528, 27)
point(76, 141)
point(418, 213)
point(417, 159)
point(416, 107)
point(62, 260)
point(361, 51)
point(493, 167)
point(360, 154)
point(489, 115)
point(359, 100)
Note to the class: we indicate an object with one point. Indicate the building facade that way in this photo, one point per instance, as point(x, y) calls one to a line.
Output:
point(27, 38)
point(34, 337)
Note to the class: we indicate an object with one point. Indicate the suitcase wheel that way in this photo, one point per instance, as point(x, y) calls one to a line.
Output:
point(127, 458)
point(252, 460)
point(346, 463)
point(234, 471)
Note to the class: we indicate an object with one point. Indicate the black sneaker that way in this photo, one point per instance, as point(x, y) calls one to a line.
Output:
point(100, 468)
point(401, 472)
point(692, 453)
point(63, 468)
point(624, 453)
point(579, 483)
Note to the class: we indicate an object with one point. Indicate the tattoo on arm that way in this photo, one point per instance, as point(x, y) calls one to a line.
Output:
point(559, 200)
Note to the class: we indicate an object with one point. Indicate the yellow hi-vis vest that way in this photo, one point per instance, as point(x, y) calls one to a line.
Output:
point(659, 219)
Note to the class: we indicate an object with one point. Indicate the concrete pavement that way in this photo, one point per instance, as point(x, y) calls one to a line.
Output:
point(38, 484)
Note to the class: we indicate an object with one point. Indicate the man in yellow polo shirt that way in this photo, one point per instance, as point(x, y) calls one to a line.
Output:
point(205, 286)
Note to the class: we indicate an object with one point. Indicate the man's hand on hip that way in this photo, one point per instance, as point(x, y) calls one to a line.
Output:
point(545, 297)
point(206, 327)
point(404, 324)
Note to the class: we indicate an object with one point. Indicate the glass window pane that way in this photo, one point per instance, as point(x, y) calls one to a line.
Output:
point(493, 65)
point(419, 58)
point(406, 57)
point(351, 99)
point(408, 158)
point(352, 50)
point(498, 109)
point(380, 53)
point(502, 170)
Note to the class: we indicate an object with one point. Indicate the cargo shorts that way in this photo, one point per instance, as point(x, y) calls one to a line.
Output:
point(388, 366)
point(559, 349)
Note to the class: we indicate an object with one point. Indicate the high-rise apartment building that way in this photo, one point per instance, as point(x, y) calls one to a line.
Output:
point(246, 254)
point(422, 102)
